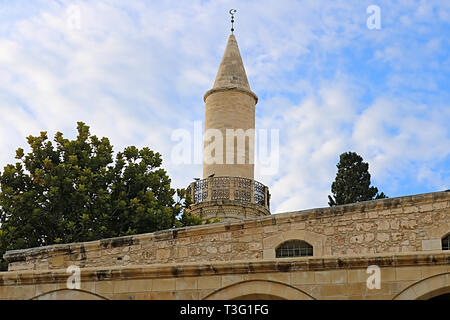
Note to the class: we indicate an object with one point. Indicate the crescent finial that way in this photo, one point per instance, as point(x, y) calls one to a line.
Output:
point(232, 12)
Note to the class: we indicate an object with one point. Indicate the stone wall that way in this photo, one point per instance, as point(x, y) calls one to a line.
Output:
point(402, 276)
point(395, 225)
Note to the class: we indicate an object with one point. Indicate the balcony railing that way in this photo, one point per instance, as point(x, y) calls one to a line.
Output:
point(229, 188)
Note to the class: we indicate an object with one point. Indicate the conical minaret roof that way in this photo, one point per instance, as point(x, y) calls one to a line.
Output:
point(231, 72)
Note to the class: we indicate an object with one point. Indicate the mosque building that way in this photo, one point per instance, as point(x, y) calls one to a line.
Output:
point(396, 248)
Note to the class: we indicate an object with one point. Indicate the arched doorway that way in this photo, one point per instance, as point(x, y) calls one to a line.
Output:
point(445, 296)
point(259, 289)
point(432, 287)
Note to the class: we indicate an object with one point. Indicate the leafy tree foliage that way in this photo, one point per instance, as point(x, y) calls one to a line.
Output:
point(352, 183)
point(73, 191)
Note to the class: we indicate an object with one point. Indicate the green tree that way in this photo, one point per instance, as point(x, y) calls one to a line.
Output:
point(73, 191)
point(352, 183)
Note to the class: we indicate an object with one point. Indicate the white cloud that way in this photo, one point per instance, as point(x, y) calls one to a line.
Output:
point(138, 70)
point(398, 138)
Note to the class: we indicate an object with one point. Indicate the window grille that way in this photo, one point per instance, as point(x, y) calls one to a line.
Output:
point(294, 248)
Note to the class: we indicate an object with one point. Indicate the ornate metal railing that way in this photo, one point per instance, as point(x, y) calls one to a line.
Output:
point(229, 188)
point(242, 189)
point(220, 188)
point(200, 191)
point(259, 193)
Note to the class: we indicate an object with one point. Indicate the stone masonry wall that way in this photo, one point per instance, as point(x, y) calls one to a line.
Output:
point(404, 224)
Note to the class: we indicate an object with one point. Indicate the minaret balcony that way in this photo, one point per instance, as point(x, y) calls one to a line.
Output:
point(212, 197)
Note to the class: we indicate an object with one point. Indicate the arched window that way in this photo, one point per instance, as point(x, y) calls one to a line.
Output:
point(446, 242)
point(294, 248)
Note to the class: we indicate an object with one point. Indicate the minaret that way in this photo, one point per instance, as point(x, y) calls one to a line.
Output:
point(228, 190)
point(230, 104)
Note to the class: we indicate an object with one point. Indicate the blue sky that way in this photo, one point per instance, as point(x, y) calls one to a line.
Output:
point(135, 71)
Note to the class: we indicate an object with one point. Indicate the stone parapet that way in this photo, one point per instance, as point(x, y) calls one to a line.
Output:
point(408, 224)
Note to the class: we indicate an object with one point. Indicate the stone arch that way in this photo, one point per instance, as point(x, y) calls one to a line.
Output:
point(435, 236)
point(427, 288)
point(316, 240)
point(439, 231)
point(259, 289)
point(68, 294)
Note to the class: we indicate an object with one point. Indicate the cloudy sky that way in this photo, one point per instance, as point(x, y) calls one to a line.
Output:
point(135, 71)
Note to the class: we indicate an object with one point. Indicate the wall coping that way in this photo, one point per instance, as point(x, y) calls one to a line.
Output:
point(170, 234)
point(193, 269)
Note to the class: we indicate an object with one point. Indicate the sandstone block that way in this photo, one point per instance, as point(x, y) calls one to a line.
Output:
point(396, 236)
point(329, 231)
point(140, 285)
point(394, 224)
point(408, 273)
point(369, 237)
point(211, 249)
point(162, 254)
point(382, 237)
point(322, 277)
point(357, 239)
point(164, 284)
point(209, 282)
point(186, 283)
point(383, 225)
point(302, 277)
point(339, 276)
point(431, 244)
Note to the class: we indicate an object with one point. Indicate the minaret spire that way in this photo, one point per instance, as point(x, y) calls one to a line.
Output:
point(231, 73)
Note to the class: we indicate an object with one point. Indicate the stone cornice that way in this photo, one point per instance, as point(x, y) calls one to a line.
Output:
point(223, 268)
